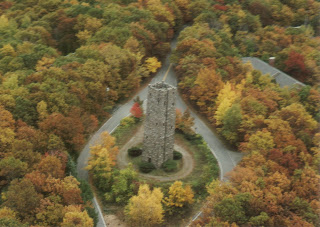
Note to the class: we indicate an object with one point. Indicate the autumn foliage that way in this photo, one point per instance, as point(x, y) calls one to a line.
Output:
point(63, 67)
point(65, 64)
point(179, 196)
point(275, 127)
point(296, 67)
point(145, 209)
point(136, 110)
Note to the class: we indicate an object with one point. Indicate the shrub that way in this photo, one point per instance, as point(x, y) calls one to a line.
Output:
point(108, 197)
point(146, 167)
point(71, 167)
point(169, 166)
point(194, 139)
point(127, 121)
point(86, 192)
point(197, 187)
point(134, 151)
point(177, 155)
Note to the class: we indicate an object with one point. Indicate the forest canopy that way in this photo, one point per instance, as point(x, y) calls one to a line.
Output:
point(65, 64)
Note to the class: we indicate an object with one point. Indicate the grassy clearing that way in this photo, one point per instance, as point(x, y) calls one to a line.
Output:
point(123, 133)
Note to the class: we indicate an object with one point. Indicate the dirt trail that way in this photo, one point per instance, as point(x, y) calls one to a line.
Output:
point(187, 160)
point(113, 220)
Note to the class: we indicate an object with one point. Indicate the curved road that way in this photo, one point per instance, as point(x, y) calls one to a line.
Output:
point(227, 159)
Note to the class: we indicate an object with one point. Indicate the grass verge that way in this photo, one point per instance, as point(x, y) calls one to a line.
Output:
point(123, 133)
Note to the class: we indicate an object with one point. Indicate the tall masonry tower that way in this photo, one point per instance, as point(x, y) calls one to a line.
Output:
point(159, 124)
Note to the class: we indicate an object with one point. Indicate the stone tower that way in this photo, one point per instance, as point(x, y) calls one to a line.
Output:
point(159, 125)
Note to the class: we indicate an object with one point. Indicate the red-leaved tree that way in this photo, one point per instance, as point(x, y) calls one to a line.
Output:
point(296, 67)
point(136, 110)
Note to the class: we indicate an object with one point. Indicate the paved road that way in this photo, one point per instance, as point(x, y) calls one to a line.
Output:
point(227, 159)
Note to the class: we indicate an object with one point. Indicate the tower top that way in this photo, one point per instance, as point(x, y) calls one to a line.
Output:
point(161, 85)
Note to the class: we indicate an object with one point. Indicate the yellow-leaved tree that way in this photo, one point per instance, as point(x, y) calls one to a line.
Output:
point(6, 212)
point(83, 36)
point(75, 217)
point(7, 134)
point(102, 160)
point(9, 217)
point(45, 63)
point(179, 196)
point(145, 209)
point(259, 142)
point(207, 86)
point(159, 10)
point(152, 64)
point(225, 99)
point(4, 22)
point(7, 50)
point(42, 110)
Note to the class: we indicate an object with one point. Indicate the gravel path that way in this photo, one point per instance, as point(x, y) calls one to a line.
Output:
point(187, 159)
